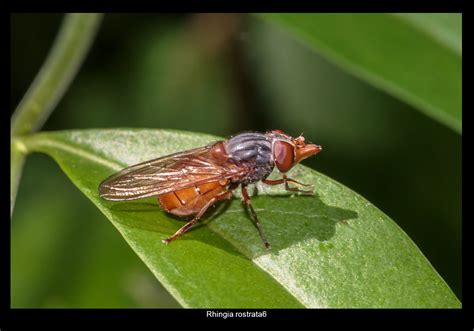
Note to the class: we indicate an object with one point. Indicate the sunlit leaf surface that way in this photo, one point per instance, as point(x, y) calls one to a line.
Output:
point(334, 249)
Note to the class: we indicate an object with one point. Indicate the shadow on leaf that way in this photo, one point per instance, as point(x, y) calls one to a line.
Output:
point(286, 220)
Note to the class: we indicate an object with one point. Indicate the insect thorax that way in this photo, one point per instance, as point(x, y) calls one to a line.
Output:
point(254, 151)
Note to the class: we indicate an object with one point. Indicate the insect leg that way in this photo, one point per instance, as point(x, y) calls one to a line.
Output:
point(188, 225)
point(285, 180)
point(248, 202)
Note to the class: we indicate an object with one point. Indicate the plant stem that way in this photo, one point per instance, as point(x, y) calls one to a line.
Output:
point(69, 49)
point(17, 159)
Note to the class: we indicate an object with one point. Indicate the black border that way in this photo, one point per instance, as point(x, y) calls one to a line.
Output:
point(313, 319)
point(65, 319)
point(341, 6)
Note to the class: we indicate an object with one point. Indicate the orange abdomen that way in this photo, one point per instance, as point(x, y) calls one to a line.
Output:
point(191, 200)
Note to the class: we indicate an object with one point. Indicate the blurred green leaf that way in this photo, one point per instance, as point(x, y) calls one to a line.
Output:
point(331, 250)
point(446, 28)
point(412, 56)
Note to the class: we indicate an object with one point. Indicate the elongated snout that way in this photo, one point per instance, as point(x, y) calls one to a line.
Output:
point(307, 151)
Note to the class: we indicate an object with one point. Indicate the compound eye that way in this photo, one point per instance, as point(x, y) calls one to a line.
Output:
point(284, 155)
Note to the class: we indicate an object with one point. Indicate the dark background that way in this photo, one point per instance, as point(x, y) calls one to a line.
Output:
point(218, 74)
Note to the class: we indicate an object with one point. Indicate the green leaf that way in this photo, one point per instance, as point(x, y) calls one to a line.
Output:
point(415, 57)
point(333, 249)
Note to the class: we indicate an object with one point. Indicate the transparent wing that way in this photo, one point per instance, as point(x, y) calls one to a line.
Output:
point(166, 174)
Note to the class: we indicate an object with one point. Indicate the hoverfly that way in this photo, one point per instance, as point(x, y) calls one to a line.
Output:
point(189, 182)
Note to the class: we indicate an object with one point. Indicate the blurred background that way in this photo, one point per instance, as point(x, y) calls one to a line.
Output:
point(218, 74)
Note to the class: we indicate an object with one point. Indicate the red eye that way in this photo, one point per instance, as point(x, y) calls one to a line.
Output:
point(284, 155)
